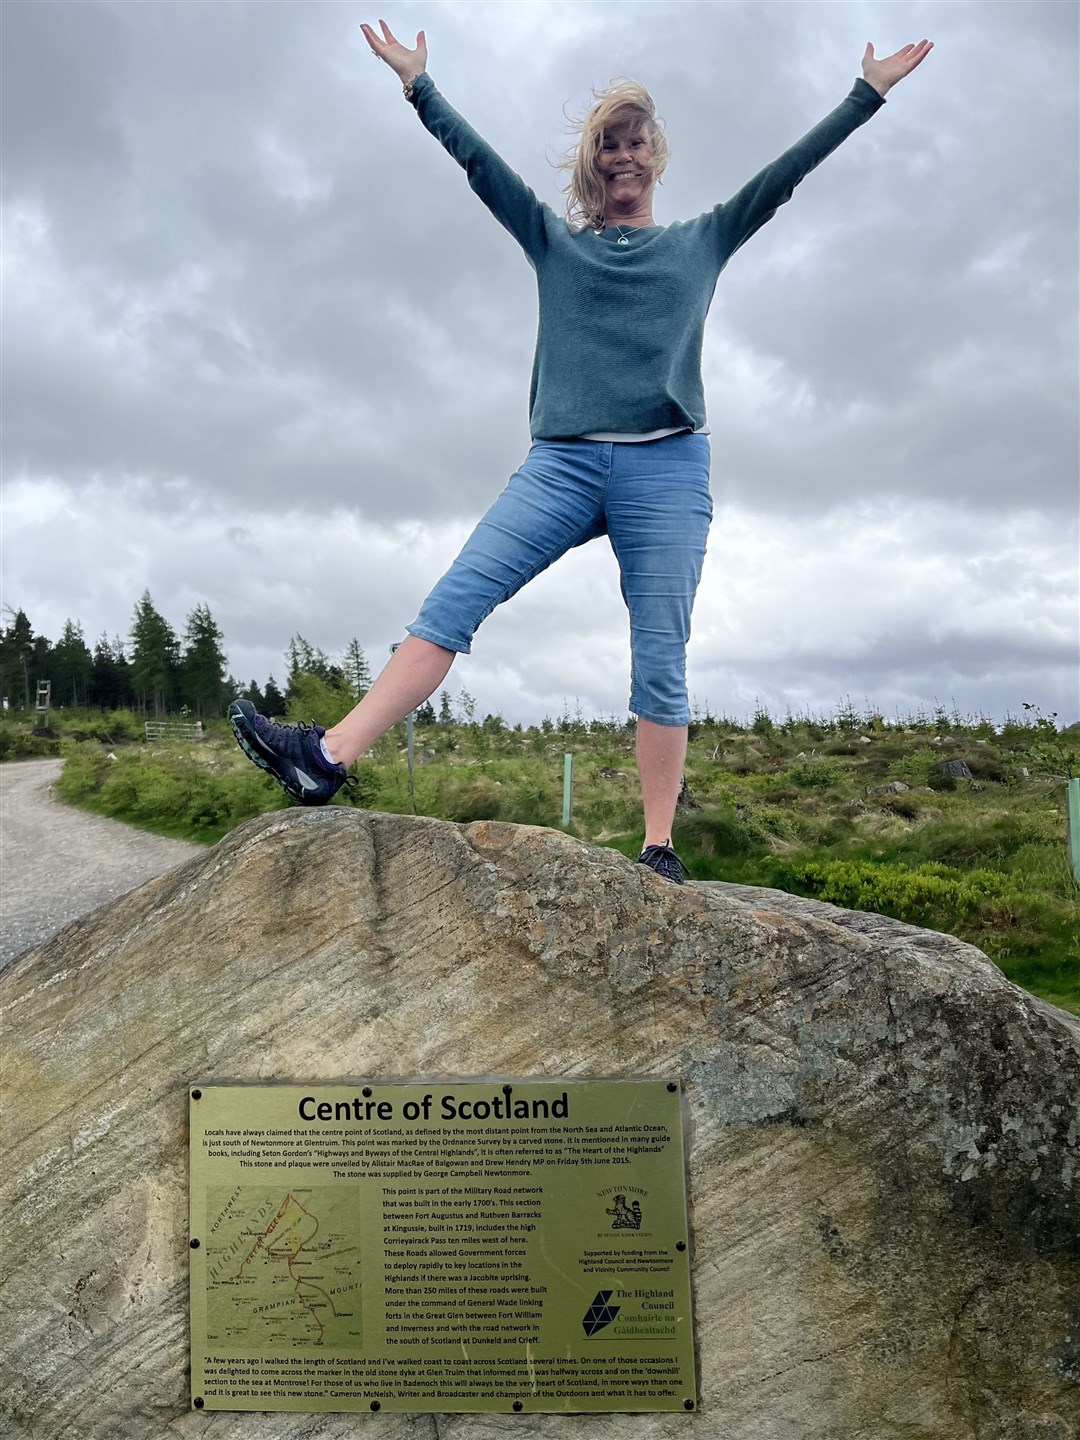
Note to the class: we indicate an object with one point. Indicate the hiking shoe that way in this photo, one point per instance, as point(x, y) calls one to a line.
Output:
point(664, 861)
point(290, 753)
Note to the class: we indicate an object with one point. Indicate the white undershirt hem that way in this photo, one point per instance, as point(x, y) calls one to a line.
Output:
point(634, 439)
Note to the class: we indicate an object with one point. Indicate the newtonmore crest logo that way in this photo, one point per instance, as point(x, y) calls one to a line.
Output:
point(599, 1313)
point(627, 1217)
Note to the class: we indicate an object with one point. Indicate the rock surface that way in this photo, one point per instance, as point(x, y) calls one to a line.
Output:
point(884, 1131)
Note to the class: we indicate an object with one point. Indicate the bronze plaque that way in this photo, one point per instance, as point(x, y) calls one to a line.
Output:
point(493, 1245)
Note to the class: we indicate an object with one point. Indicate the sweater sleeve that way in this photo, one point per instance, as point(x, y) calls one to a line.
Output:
point(760, 198)
point(503, 191)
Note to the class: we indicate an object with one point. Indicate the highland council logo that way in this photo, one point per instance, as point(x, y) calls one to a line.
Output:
point(599, 1313)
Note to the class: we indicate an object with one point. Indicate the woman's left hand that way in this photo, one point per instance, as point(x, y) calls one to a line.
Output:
point(883, 74)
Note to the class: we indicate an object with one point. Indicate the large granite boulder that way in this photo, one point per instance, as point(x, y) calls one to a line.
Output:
point(884, 1134)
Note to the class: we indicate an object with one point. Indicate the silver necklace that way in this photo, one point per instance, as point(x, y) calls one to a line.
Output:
point(622, 240)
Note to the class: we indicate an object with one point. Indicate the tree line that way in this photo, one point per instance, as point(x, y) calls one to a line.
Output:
point(156, 670)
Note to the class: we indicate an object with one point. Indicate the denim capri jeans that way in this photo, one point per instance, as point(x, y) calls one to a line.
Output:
point(650, 497)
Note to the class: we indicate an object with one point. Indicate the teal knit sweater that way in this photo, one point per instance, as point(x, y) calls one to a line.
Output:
point(618, 346)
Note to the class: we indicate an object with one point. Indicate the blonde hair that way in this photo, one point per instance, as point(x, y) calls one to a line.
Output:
point(623, 102)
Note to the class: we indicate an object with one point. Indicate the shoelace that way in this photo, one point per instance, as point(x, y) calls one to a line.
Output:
point(271, 729)
point(664, 861)
point(270, 726)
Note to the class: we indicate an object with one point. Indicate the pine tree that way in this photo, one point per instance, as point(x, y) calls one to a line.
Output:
point(72, 665)
point(124, 694)
point(303, 658)
point(297, 657)
point(273, 700)
point(425, 715)
point(255, 695)
point(155, 657)
point(103, 675)
point(446, 714)
point(203, 668)
point(16, 649)
point(109, 688)
point(357, 670)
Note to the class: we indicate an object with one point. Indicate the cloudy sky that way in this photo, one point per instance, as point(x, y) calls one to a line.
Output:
point(263, 347)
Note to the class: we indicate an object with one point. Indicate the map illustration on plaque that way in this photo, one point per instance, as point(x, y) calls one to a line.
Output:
point(283, 1269)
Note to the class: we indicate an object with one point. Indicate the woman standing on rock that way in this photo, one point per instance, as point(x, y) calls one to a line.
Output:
point(617, 419)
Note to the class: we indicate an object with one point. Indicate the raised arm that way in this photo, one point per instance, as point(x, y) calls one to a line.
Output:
point(760, 198)
point(501, 189)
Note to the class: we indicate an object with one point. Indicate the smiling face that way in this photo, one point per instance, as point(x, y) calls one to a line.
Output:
point(624, 163)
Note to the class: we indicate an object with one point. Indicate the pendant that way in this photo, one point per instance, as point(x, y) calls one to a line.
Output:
point(623, 240)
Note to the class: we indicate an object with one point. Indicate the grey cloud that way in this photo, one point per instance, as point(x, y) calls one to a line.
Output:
point(63, 69)
point(243, 271)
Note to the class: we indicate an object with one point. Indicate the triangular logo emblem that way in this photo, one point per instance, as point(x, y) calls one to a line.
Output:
point(599, 1313)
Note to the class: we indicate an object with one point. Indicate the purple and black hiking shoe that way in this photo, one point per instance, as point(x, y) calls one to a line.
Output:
point(290, 753)
point(664, 861)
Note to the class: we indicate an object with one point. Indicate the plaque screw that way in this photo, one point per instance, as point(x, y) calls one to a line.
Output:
point(688, 1404)
point(198, 1402)
point(680, 1245)
point(518, 1405)
point(196, 1094)
point(672, 1087)
point(194, 1244)
point(375, 1405)
point(366, 1092)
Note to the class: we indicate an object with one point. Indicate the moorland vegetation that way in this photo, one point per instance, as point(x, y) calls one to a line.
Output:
point(954, 823)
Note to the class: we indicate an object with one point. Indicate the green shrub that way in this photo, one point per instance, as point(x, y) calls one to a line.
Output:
point(312, 699)
point(117, 727)
point(534, 801)
point(904, 804)
point(845, 745)
point(124, 725)
point(817, 773)
point(724, 833)
point(916, 767)
point(170, 792)
point(83, 772)
point(366, 791)
point(118, 794)
point(746, 761)
point(17, 743)
point(984, 764)
point(973, 840)
point(480, 799)
point(762, 822)
point(928, 894)
point(943, 784)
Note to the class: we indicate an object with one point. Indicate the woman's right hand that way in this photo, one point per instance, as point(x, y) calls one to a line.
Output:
point(406, 64)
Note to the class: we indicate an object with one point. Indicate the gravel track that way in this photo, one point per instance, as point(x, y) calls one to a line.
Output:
point(57, 863)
